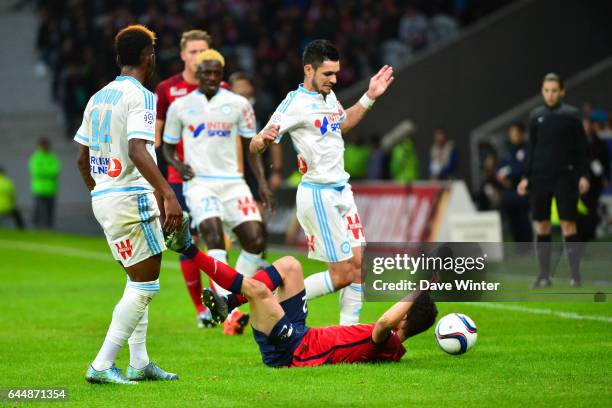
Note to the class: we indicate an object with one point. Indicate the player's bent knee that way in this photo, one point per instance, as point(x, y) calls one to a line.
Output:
point(289, 266)
point(253, 289)
point(255, 244)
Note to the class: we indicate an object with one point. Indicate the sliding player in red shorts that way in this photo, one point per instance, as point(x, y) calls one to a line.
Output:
point(279, 321)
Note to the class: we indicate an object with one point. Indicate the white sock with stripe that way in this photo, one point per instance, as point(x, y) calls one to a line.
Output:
point(318, 284)
point(126, 316)
point(248, 263)
point(138, 343)
point(350, 304)
point(221, 256)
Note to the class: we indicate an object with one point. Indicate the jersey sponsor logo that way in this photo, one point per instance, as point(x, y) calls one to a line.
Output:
point(310, 240)
point(124, 248)
point(105, 165)
point(114, 168)
point(214, 129)
point(247, 204)
point(174, 91)
point(302, 166)
point(197, 130)
point(329, 123)
point(354, 225)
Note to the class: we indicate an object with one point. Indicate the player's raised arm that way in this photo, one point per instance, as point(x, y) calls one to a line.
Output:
point(378, 85)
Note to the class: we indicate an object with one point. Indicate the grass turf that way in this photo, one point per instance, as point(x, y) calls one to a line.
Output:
point(57, 293)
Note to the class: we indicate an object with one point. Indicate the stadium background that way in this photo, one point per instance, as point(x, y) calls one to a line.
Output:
point(472, 67)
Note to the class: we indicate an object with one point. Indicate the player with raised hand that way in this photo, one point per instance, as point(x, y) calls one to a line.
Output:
point(208, 121)
point(279, 320)
point(116, 159)
point(326, 209)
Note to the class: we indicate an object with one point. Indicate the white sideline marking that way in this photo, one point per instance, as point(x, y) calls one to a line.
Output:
point(67, 251)
point(541, 311)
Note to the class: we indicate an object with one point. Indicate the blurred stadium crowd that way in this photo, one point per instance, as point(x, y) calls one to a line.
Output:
point(261, 37)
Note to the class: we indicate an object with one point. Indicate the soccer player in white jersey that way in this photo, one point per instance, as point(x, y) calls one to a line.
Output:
point(209, 120)
point(117, 162)
point(326, 209)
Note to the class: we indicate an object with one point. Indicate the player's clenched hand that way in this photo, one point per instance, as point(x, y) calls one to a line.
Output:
point(380, 82)
point(174, 214)
point(269, 134)
point(521, 189)
point(186, 172)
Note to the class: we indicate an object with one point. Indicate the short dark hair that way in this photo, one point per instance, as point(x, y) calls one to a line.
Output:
point(421, 316)
point(551, 76)
point(518, 125)
point(240, 76)
point(131, 43)
point(318, 51)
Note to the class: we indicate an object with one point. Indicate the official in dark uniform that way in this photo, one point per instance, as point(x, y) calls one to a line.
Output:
point(557, 167)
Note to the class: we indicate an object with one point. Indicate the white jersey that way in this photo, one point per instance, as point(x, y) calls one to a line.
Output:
point(120, 111)
point(209, 129)
point(313, 121)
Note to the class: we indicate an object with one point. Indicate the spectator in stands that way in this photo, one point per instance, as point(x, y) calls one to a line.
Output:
point(378, 165)
point(442, 26)
point(511, 169)
point(356, 156)
point(45, 168)
point(599, 176)
point(442, 156)
point(490, 191)
point(413, 28)
point(7, 200)
point(404, 164)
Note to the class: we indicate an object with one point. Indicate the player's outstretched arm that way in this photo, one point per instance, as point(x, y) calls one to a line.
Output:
point(83, 165)
point(378, 86)
point(143, 161)
point(263, 139)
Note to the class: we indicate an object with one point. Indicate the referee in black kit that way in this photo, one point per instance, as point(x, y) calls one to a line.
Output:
point(557, 167)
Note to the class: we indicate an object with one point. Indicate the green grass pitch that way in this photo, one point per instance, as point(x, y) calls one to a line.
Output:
point(57, 293)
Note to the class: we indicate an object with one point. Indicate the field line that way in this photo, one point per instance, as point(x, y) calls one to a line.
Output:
point(60, 250)
point(541, 311)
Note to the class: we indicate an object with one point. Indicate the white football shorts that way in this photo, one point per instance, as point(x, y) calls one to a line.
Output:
point(330, 221)
point(228, 199)
point(131, 225)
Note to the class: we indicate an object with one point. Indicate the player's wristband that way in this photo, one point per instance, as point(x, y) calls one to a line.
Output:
point(366, 101)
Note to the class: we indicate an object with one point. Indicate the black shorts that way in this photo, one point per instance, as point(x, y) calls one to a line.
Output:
point(565, 192)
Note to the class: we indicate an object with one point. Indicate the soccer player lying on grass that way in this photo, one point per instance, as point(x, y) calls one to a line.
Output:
point(279, 321)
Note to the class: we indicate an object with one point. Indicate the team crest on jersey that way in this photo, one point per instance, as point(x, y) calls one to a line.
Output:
point(124, 248)
point(226, 109)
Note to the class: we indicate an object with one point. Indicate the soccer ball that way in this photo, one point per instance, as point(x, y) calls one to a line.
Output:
point(456, 333)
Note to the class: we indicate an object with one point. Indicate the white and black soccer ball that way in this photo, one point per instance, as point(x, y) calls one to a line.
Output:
point(456, 333)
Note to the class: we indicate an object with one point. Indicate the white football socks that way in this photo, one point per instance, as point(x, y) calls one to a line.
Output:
point(126, 316)
point(139, 358)
point(350, 304)
point(248, 263)
point(221, 256)
point(318, 284)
